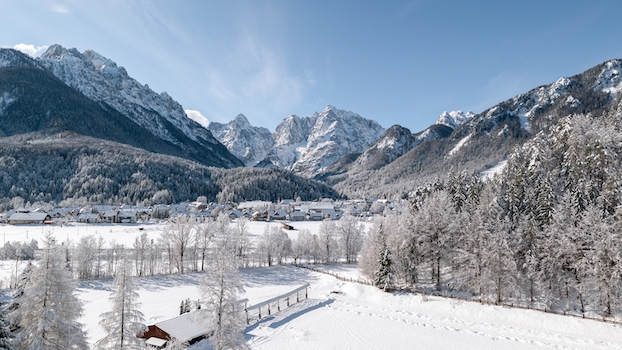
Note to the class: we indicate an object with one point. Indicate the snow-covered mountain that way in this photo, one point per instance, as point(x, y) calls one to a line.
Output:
point(589, 92)
point(249, 143)
point(308, 145)
point(398, 140)
point(481, 142)
point(454, 119)
point(103, 81)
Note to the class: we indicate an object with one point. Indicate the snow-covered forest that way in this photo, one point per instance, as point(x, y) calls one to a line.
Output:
point(77, 171)
point(544, 232)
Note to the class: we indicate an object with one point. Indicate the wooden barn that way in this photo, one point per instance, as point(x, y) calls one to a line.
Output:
point(187, 328)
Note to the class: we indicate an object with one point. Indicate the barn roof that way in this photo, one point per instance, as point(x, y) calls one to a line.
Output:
point(186, 327)
point(38, 216)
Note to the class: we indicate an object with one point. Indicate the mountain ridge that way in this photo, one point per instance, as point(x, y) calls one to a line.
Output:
point(109, 85)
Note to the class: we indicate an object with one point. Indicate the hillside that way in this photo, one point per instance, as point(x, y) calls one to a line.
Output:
point(77, 170)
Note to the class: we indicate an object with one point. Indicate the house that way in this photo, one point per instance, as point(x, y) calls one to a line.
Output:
point(144, 214)
point(200, 205)
point(260, 216)
point(315, 216)
point(26, 217)
point(203, 215)
point(127, 216)
point(189, 327)
point(90, 218)
point(61, 213)
point(277, 215)
point(110, 216)
point(298, 216)
point(332, 214)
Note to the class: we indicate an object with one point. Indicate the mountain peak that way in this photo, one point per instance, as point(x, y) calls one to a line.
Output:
point(248, 143)
point(454, 119)
point(241, 120)
point(57, 52)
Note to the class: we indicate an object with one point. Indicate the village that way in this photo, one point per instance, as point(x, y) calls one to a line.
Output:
point(201, 210)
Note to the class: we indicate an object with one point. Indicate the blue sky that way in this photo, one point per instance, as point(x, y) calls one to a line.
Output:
point(398, 62)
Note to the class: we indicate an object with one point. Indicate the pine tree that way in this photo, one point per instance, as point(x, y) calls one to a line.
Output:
point(49, 309)
point(124, 322)
point(384, 275)
point(220, 287)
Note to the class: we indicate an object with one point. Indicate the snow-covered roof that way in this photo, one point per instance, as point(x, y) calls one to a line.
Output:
point(38, 216)
point(157, 342)
point(186, 327)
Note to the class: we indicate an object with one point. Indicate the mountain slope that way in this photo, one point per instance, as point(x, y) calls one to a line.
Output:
point(394, 143)
point(103, 82)
point(34, 100)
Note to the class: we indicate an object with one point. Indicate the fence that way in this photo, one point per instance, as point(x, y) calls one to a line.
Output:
point(337, 276)
point(256, 312)
point(445, 294)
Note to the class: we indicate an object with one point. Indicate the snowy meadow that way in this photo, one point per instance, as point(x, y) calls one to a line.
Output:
point(336, 315)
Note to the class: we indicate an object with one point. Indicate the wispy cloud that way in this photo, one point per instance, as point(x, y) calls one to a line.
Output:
point(31, 50)
point(58, 8)
point(258, 73)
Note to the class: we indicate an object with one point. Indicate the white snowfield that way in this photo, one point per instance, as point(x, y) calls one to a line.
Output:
point(345, 315)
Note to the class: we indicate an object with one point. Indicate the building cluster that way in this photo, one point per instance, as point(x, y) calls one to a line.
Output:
point(201, 210)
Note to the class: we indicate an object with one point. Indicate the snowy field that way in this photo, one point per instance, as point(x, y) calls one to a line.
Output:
point(343, 315)
point(337, 315)
point(122, 233)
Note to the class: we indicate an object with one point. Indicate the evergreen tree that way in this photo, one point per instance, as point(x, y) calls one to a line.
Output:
point(384, 276)
point(124, 322)
point(49, 309)
point(377, 258)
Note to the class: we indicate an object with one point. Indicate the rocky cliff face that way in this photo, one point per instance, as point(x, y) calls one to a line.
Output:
point(308, 145)
point(249, 143)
